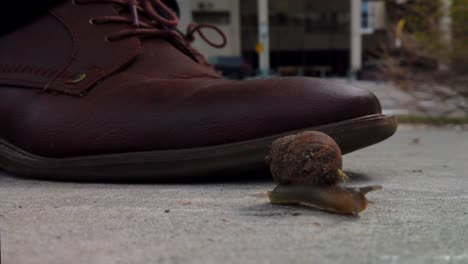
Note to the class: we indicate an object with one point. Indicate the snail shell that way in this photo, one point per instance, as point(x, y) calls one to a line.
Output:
point(310, 158)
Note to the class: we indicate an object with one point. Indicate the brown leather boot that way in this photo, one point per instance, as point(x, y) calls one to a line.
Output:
point(107, 89)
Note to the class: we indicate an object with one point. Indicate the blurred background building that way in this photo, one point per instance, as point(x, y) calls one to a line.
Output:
point(306, 37)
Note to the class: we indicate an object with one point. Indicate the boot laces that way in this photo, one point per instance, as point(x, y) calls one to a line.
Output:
point(152, 18)
point(194, 28)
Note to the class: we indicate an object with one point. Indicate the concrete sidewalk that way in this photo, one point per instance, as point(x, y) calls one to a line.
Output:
point(421, 216)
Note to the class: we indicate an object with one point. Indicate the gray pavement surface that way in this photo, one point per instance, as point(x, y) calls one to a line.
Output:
point(421, 216)
point(423, 99)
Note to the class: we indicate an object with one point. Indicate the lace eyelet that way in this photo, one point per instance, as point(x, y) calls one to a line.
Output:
point(75, 3)
point(107, 39)
point(91, 21)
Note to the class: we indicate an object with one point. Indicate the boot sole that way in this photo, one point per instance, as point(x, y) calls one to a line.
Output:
point(186, 164)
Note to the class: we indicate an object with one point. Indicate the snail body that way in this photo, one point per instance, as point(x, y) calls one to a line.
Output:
point(335, 199)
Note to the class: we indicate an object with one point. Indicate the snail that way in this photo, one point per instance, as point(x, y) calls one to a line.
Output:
point(307, 168)
point(335, 199)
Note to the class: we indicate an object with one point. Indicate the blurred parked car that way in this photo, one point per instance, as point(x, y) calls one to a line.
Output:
point(232, 66)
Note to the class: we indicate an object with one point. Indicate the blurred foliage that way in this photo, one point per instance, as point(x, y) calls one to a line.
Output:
point(460, 36)
point(422, 31)
point(432, 120)
point(424, 46)
point(421, 37)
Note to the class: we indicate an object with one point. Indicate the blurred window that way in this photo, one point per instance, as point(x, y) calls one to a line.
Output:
point(212, 17)
point(367, 26)
point(329, 21)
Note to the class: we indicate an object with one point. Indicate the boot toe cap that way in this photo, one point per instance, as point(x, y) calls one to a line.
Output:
point(237, 111)
point(299, 102)
point(326, 101)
